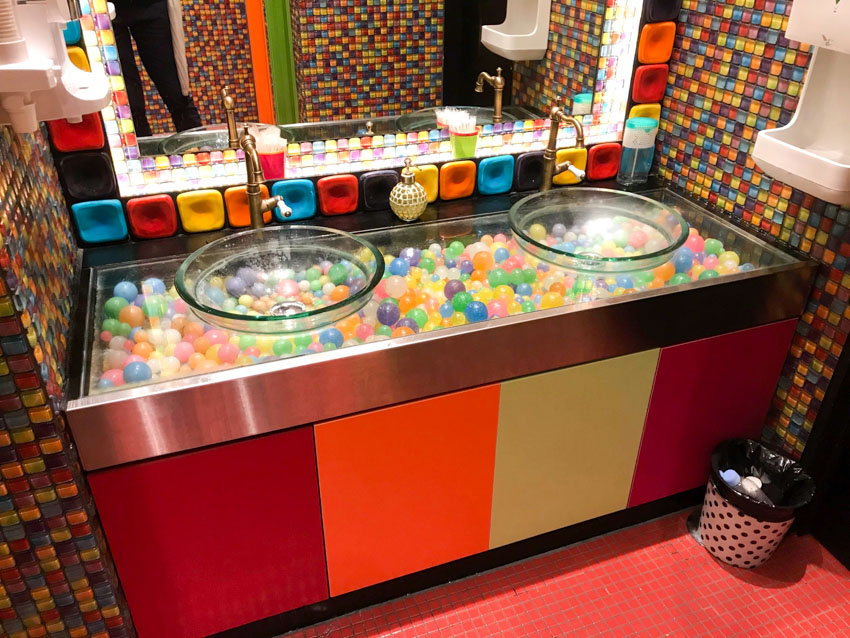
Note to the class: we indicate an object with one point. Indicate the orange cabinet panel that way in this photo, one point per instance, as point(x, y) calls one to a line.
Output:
point(407, 487)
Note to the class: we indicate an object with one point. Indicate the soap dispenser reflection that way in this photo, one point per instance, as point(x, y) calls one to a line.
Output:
point(408, 198)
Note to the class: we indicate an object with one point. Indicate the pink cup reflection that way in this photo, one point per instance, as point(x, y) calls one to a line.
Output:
point(273, 164)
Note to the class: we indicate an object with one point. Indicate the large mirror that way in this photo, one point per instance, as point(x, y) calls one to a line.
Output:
point(335, 69)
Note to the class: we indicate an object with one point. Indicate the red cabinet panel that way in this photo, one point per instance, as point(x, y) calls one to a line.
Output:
point(213, 539)
point(706, 391)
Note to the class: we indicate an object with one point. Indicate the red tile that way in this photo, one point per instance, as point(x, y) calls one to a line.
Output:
point(648, 580)
point(86, 135)
point(152, 216)
point(337, 194)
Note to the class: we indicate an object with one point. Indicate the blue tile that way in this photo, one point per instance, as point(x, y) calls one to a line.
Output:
point(100, 221)
point(495, 174)
point(72, 32)
point(299, 195)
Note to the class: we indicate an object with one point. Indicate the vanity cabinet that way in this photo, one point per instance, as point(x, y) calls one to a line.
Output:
point(213, 539)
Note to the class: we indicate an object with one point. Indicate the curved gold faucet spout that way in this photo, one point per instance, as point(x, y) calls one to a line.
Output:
point(498, 84)
point(257, 205)
point(558, 116)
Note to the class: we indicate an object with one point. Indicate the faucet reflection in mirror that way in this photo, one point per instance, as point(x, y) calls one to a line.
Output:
point(498, 84)
point(229, 106)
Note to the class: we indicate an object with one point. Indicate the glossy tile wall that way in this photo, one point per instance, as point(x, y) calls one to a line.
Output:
point(367, 58)
point(569, 67)
point(218, 53)
point(732, 74)
point(55, 574)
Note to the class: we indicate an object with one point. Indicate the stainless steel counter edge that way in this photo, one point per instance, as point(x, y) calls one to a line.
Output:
point(183, 414)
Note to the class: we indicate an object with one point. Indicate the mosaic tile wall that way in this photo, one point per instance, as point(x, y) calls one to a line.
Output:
point(55, 577)
point(575, 35)
point(732, 74)
point(219, 54)
point(367, 58)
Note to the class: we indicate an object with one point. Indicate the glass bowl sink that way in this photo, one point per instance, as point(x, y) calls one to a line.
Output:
point(280, 279)
point(597, 230)
point(426, 119)
point(206, 138)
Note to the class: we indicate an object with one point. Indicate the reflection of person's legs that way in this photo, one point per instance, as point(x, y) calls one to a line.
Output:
point(135, 91)
point(152, 33)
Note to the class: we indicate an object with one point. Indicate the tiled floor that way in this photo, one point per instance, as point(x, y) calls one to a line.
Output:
point(650, 580)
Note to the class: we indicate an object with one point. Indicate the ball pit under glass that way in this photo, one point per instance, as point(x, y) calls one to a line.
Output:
point(597, 230)
point(433, 276)
point(279, 279)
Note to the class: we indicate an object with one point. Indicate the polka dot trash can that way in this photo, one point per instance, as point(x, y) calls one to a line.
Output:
point(743, 530)
point(734, 537)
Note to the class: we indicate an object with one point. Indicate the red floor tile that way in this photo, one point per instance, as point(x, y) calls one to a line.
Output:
point(649, 580)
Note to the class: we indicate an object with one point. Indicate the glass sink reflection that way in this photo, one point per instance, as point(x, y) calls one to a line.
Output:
point(278, 280)
point(426, 119)
point(597, 230)
point(206, 138)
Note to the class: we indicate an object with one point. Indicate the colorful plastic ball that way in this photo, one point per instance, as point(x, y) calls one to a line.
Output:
point(338, 274)
point(131, 315)
point(154, 306)
point(453, 286)
point(114, 305)
point(395, 286)
point(461, 300)
point(418, 315)
point(110, 325)
point(710, 262)
point(528, 306)
point(364, 331)
point(466, 267)
point(551, 300)
point(137, 371)
point(637, 238)
point(153, 285)
point(747, 267)
point(399, 266)
point(683, 260)
point(498, 277)
point(126, 290)
point(427, 264)
point(183, 351)
point(383, 331)
point(679, 278)
point(388, 314)
point(713, 247)
point(446, 310)
point(665, 271)
point(537, 232)
point(331, 335)
point(408, 323)
point(729, 256)
point(475, 311)
point(412, 255)
point(695, 243)
point(709, 274)
point(227, 353)
point(115, 376)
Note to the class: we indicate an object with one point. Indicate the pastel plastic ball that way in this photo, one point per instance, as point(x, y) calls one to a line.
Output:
point(683, 260)
point(729, 256)
point(227, 353)
point(709, 274)
point(461, 300)
point(126, 290)
point(113, 306)
point(475, 311)
point(388, 313)
point(131, 315)
point(679, 278)
point(136, 372)
point(453, 287)
point(154, 306)
point(395, 286)
point(331, 335)
point(713, 247)
point(537, 232)
point(399, 267)
point(114, 376)
point(153, 285)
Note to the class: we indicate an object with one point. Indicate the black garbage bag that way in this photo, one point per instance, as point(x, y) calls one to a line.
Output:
point(783, 480)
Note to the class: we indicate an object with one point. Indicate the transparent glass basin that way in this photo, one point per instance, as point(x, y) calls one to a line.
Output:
point(597, 230)
point(206, 138)
point(280, 279)
point(426, 119)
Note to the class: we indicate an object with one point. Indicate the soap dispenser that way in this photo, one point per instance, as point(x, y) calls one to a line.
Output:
point(408, 198)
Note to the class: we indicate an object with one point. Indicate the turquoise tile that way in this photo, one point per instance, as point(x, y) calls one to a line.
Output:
point(299, 195)
point(495, 174)
point(72, 32)
point(100, 221)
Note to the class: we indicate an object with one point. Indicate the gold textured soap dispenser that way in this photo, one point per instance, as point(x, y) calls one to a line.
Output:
point(408, 198)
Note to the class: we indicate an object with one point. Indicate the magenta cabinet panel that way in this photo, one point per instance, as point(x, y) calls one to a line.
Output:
point(706, 391)
point(214, 539)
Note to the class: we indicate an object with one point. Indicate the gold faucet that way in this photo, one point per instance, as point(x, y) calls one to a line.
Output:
point(229, 106)
point(498, 84)
point(558, 115)
point(257, 205)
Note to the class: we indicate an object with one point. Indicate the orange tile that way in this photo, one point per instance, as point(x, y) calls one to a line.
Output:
point(656, 42)
point(457, 179)
point(408, 487)
point(238, 213)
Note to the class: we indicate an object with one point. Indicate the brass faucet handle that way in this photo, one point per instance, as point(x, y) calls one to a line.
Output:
point(498, 81)
point(369, 126)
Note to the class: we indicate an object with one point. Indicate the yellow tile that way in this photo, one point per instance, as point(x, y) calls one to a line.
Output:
point(567, 445)
point(78, 58)
point(201, 211)
point(429, 177)
point(578, 156)
point(646, 110)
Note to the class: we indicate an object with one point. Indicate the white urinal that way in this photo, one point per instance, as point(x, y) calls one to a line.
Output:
point(524, 35)
point(812, 152)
